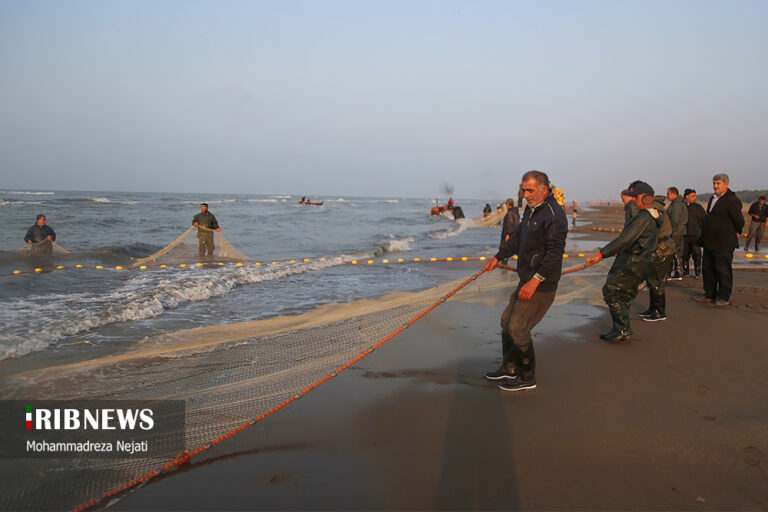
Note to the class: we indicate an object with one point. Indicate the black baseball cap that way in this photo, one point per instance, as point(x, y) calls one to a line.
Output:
point(638, 187)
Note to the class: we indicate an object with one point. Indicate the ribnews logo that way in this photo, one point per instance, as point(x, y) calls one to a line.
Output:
point(92, 428)
point(95, 419)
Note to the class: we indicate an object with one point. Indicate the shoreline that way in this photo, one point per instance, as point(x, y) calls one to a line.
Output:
point(666, 422)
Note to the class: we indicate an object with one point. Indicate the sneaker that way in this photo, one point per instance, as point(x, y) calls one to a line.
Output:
point(500, 374)
point(644, 314)
point(721, 302)
point(516, 385)
point(654, 317)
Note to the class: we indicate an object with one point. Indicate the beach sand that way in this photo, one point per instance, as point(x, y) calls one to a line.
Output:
point(675, 420)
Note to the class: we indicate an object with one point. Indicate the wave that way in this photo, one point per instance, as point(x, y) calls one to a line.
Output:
point(262, 200)
point(401, 245)
point(22, 193)
point(19, 203)
point(462, 226)
point(143, 296)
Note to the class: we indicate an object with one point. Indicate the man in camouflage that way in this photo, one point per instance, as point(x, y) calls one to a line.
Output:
point(662, 258)
point(633, 249)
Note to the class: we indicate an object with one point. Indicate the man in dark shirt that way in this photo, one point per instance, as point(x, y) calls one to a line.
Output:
point(692, 241)
point(722, 225)
point(539, 245)
point(206, 223)
point(40, 231)
point(758, 212)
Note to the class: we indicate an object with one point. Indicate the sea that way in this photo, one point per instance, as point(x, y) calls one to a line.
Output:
point(71, 313)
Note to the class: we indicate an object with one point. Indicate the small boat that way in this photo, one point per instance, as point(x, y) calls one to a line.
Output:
point(311, 203)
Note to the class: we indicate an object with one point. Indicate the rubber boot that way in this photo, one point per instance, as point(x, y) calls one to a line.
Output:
point(525, 363)
point(653, 296)
point(621, 330)
point(661, 305)
point(507, 368)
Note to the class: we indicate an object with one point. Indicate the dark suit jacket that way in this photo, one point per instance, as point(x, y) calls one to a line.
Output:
point(723, 223)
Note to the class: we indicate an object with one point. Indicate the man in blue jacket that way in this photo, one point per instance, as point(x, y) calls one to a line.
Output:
point(539, 246)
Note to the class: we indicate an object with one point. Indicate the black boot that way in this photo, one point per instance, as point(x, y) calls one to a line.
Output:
point(507, 368)
point(525, 363)
point(659, 309)
point(621, 330)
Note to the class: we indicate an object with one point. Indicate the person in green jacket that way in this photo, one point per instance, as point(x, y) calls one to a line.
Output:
point(678, 216)
point(633, 265)
point(206, 223)
point(662, 259)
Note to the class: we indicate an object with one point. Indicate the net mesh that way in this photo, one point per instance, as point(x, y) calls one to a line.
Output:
point(493, 219)
point(198, 244)
point(227, 375)
point(43, 247)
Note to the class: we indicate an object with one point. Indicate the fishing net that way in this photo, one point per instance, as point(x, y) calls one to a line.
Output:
point(43, 247)
point(195, 244)
point(493, 219)
point(227, 375)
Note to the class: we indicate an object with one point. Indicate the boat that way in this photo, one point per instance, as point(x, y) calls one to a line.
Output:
point(312, 203)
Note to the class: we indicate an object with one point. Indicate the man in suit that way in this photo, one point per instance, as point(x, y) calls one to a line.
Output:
point(722, 224)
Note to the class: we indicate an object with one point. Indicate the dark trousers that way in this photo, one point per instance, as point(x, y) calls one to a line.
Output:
point(691, 250)
point(516, 324)
point(626, 274)
point(718, 274)
point(678, 256)
point(657, 278)
point(756, 230)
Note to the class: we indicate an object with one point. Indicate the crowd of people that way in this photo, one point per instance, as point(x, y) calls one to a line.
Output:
point(657, 243)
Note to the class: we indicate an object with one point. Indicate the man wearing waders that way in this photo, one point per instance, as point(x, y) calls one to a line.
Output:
point(678, 217)
point(205, 223)
point(633, 249)
point(663, 258)
point(539, 246)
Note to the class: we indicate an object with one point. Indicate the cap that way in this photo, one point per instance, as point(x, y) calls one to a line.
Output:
point(510, 201)
point(638, 187)
point(689, 191)
point(204, 204)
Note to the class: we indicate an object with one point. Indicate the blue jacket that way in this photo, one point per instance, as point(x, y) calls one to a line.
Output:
point(540, 244)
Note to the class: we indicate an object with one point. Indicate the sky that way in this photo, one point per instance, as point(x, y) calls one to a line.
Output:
point(382, 98)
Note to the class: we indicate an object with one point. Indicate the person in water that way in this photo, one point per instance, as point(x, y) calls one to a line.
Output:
point(205, 222)
point(487, 210)
point(40, 231)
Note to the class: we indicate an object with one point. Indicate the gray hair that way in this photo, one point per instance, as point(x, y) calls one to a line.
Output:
point(541, 178)
point(721, 177)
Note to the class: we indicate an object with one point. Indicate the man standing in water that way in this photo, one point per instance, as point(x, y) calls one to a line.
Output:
point(539, 245)
point(205, 223)
point(40, 231)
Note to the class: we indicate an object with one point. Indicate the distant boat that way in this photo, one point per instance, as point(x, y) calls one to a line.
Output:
point(311, 203)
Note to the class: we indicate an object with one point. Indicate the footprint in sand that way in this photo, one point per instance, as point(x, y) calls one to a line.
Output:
point(754, 456)
point(702, 389)
point(708, 418)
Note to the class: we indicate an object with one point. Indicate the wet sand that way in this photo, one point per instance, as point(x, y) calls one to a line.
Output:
point(675, 420)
